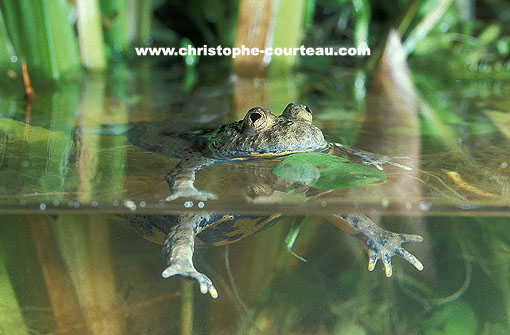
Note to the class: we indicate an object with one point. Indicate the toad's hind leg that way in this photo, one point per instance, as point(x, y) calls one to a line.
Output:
point(381, 244)
point(370, 158)
point(178, 250)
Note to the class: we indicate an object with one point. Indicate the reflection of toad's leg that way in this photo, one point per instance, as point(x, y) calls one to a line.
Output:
point(181, 179)
point(381, 244)
point(178, 250)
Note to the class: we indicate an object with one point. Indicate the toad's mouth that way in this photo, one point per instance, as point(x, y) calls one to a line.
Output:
point(245, 155)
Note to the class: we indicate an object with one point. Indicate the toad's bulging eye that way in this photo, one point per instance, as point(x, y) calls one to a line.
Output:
point(298, 111)
point(258, 119)
point(255, 116)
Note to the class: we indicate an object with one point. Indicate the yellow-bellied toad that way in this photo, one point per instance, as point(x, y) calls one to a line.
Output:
point(261, 134)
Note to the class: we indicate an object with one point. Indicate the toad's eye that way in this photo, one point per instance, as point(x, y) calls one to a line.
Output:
point(297, 111)
point(255, 116)
point(258, 119)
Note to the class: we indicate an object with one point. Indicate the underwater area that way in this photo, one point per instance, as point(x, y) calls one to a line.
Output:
point(433, 105)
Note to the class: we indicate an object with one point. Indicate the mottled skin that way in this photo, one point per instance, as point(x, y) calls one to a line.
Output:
point(261, 134)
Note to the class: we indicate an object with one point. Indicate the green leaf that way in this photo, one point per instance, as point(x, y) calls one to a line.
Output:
point(489, 34)
point(292, 236)
point(325, 172)
point(11, 313)
point(189, 60)
point(309, 12)
point(117, 33)
point(455, 318)
point(6, 48)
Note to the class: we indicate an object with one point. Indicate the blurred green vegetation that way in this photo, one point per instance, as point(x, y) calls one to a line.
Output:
point(49, 36)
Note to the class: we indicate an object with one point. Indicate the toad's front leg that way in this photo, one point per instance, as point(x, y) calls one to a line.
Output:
point(381, 244)
point(181, 179)
point(178, 250)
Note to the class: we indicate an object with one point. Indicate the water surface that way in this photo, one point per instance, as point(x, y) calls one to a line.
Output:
point(69, 266)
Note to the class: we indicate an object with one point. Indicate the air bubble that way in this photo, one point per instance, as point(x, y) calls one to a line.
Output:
point(188, 204)
point(143, 203)
point(14, 59)
point(56, 203)
point(115, 203)
point(130, 204)
point(201, 204)
point(424, 206)
point(504, 165)
point(42, 206)
point(468, 206)
point(385, 203)
point(444, 26)
point(76, 204)
point(94, 203)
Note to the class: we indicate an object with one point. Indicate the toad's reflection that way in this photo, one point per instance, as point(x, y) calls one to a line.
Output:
point(261, 134)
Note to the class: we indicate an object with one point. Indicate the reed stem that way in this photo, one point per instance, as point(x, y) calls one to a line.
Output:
point(90, 35)
point(287, 33)
point(115, 13)
point(6, 48)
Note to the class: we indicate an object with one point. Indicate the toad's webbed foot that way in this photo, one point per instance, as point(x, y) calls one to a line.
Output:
point(388, 244)
point(178, 249)
point(189, 272)
point(376, 160)
point(382, 244)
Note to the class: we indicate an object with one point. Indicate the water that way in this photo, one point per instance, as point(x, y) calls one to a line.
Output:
point(70, 266)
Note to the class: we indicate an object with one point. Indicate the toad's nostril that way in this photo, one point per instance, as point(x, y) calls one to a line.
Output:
point(254, 117)
point(308, 109)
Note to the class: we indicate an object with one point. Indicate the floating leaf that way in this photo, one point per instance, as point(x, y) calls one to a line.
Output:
point(12, 130)
point(325, 172)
